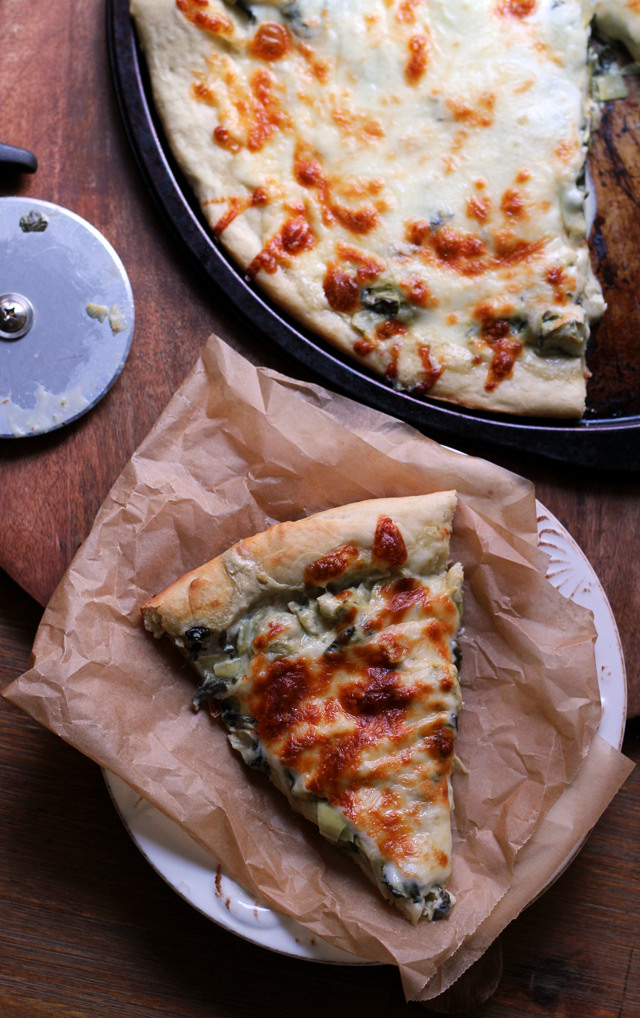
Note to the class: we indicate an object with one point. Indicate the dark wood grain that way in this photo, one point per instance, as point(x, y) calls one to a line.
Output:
point(614, 386)
point(87, 929)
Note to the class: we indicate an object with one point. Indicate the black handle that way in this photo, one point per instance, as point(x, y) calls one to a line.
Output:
point(20, 159)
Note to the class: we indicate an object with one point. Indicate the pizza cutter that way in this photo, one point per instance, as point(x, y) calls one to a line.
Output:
point(66, 313)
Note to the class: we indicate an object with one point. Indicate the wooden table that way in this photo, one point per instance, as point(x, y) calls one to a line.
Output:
point(86, 927)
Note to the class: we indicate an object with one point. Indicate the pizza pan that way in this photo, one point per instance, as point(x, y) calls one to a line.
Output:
point(607, 437)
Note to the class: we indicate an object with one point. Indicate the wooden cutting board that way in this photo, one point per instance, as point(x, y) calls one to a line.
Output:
point(51, 487)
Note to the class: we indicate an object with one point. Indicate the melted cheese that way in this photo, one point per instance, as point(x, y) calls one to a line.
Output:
point(349, 699)
point(404, 175)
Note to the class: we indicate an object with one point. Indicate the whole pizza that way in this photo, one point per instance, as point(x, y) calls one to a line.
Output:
point(405, 177)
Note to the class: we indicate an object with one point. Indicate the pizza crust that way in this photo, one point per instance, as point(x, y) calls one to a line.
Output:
point(274, 560)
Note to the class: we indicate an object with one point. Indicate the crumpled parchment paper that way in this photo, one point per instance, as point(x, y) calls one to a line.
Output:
point(238, 448)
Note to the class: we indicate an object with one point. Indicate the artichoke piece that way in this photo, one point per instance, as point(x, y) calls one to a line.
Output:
point(330, 606)
point(331, 823)
point(611, 86)
point(243, 634)
point(607, 76)
point(386, 300)
point(562, 334)
point(307, 617)
point(228, 669)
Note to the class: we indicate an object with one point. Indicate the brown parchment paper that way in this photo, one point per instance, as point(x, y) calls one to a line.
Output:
point(237, 449)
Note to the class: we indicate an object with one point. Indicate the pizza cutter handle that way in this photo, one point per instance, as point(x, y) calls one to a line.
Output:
point(20, 159)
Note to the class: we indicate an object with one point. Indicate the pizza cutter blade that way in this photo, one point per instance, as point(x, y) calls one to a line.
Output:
point(66, 316)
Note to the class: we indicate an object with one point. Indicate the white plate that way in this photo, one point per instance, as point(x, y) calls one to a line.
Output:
point(194, 874)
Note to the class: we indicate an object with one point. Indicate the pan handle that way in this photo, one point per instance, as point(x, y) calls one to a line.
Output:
point(20, 159)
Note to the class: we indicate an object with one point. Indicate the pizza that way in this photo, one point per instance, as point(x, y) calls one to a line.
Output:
point(327, 648)
point(406, 178)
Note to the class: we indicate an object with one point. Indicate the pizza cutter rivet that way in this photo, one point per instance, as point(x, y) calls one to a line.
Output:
point(16, 316)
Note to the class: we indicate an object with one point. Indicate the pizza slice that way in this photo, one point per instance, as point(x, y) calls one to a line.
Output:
point(328, 649)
